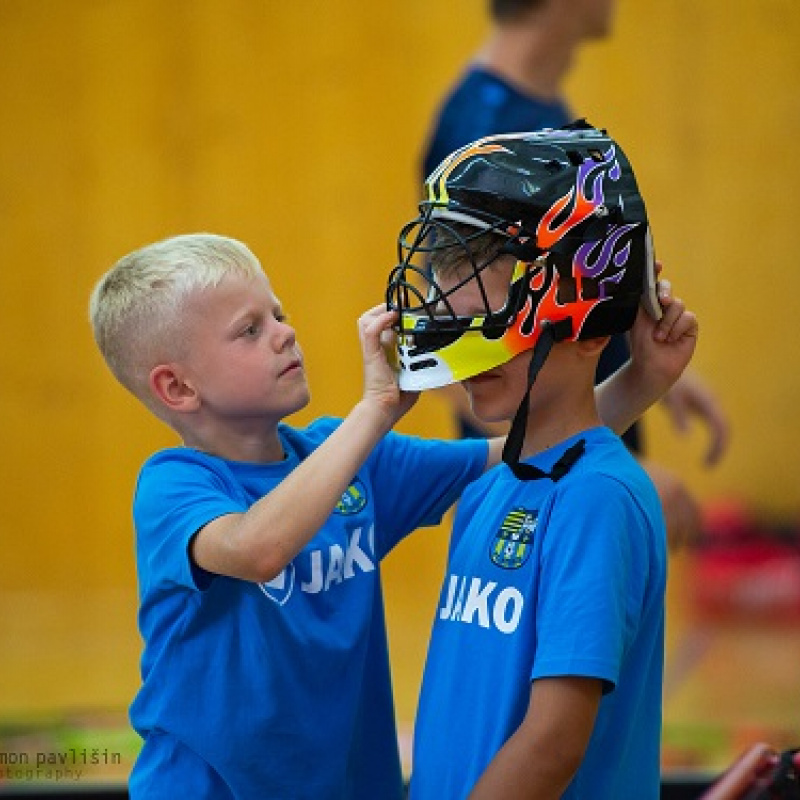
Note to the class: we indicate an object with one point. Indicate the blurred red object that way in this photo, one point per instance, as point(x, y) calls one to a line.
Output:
point(745, 566)
point(760, 773)
point(753, 767)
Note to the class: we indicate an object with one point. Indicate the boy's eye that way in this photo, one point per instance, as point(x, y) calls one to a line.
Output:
point(251, 330)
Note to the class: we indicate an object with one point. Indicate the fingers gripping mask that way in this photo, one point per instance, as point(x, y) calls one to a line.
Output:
point(518, 232)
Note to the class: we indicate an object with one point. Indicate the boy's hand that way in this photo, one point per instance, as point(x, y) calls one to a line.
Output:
point(662, 350)
point(380, 378)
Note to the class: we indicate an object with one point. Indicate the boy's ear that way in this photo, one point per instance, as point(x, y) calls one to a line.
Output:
point(170, 388)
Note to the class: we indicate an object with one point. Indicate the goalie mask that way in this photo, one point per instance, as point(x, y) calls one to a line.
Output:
point(565, 205)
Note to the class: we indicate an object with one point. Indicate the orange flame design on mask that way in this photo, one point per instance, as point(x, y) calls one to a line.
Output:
point(546, 234)
point(547, 309)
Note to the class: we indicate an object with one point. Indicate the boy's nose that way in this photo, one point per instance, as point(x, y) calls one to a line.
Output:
point(284, 335)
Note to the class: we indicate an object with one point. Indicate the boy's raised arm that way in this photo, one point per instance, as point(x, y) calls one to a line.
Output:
point(257, 544)
point(660, 351)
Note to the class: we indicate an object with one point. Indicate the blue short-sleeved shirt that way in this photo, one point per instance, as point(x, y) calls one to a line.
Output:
point(543, 580)
point(278, 690)
point(482, 104)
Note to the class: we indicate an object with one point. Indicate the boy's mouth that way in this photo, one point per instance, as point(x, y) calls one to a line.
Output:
point(482, 377)
point(290, 367)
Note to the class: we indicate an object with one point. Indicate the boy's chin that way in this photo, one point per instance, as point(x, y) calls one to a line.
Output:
point(492, 412)
point(302, 400)
point(492, 406)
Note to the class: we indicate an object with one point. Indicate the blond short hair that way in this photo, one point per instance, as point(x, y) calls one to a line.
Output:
point(481, 247)
point(136, 307)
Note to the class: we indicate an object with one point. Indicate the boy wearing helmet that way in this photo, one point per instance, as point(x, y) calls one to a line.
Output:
point(543, 676)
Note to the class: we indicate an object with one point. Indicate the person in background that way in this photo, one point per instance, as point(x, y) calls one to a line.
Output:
point(515, 83)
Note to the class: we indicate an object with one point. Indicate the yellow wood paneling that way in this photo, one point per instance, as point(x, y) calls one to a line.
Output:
point(704, 97)
point(297, 127)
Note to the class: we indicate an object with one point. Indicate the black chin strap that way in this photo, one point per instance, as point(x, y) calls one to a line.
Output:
point(551, 333)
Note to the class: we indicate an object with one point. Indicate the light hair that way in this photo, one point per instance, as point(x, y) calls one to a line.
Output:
point(136, 308)
point(483, 248)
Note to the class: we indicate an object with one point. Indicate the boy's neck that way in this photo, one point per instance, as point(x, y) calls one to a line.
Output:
point(548, 427)
point(534, 55)
point(561, 402)
point(258, 447)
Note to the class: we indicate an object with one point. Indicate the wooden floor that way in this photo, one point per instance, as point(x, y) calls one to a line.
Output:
point(69, 665)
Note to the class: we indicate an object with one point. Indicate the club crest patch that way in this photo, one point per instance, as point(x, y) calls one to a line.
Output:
point(353, 499)
point(511, 545)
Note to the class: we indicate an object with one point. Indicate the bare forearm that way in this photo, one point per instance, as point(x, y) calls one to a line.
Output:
point(624, 397)
point(539, 759)
point(524, 772)
point(296, 509)
point(259, 543)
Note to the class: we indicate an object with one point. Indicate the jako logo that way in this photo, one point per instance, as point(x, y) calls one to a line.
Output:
point(479, 603)
point(324, 568)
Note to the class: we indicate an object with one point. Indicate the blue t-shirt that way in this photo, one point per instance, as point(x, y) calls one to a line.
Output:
point(482, 104)
point(549, 579)
point(279, 690)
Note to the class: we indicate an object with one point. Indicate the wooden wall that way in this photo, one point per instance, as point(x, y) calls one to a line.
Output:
point(296, 127)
